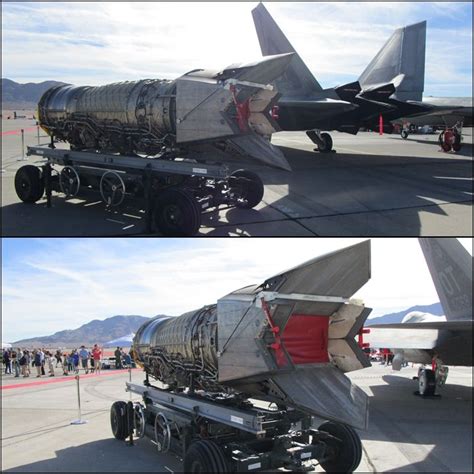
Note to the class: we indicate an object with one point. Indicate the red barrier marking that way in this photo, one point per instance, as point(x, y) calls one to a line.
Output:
point(18, 132)
point(35, 383)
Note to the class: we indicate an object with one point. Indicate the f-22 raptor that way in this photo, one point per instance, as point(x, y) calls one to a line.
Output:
point(305, 105)
point(431, 340)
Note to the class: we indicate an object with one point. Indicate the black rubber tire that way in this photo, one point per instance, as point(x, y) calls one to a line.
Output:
point(118, 420)
point(177, 213)
point(404, 134)
point(426, 382)
point(29, 183)
point(457, 145)
point(205, 456)
point(250, 188)
point(327, 139)
point(348, 453)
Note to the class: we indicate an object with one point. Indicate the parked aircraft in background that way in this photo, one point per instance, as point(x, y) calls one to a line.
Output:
point(390, 90)
point(305, 105)
point(437, 340)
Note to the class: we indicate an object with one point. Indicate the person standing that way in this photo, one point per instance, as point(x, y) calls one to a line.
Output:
point(58, 358)
point(96, 355)
point(37, 363)
point(118, 362)
point(49, 361)
point(84, 355)
point(75, 361)
point(42, 360)
point(7, 362)
point(65, 364)
point(15, 357)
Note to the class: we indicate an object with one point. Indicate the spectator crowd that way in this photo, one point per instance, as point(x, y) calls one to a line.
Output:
point(26, 363)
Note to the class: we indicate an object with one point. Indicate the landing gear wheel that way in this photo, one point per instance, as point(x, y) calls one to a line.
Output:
point(326, 146)
point(344, 448)
point(29, 183)
point(426, 382)
point(118, 420)
point(177, 213)
point(248, 186)
point(457, 142)
point(205, 456)
point(69, 181)
point(112, 188)
point(404, 134)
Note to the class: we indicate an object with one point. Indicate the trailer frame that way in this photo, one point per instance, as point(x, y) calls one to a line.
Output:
point(238, 434)
point(196, 185)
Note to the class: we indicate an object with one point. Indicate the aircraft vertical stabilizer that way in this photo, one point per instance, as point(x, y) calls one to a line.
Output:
point(401, 58)
point(297, 81)
point(450, 266)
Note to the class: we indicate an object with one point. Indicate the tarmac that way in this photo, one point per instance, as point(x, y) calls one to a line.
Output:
point(406, 433)
point(371, 185)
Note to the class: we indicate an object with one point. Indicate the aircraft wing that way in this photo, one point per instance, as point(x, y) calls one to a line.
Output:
point(460, 109)
point(416, 335)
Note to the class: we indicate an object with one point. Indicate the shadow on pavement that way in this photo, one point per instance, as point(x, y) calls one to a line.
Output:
point(106, 455)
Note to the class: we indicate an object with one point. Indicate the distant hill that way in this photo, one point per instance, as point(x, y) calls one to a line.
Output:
point(24, 96)
point(93, 332)
point(392, 318)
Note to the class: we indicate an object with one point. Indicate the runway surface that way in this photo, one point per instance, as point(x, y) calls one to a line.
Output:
point(372, 185)
point(406, 433)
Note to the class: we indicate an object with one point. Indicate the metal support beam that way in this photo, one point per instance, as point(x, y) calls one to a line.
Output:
point(251, 421)
point(274, 295)
point(130, 163)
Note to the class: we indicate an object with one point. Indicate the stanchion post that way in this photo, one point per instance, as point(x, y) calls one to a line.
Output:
point(22, 132)
point(79, 421)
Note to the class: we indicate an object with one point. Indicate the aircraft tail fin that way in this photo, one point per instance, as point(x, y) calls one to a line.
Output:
point(403, 55)
point(450, 266)
point(297, 80)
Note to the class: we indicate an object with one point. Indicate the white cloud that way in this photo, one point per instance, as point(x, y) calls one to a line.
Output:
point(163, 40)
point(64, 283)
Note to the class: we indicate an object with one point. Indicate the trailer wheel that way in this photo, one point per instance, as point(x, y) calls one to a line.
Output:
point(404, 134)
point(29, 183)
point(344, 452)
point(177, 213)
point(426, 382)
point(118, 420)
point(205, 456)
point(248, 186)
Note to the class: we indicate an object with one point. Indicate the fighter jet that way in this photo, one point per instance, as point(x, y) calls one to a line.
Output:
point(436, 340)
point(305, 105)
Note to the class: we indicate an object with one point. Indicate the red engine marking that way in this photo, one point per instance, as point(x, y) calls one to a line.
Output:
point(305, 339)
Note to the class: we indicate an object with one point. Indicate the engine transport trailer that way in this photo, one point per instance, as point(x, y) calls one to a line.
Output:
point(173, 191)
point(237, 386)
point(219, 433)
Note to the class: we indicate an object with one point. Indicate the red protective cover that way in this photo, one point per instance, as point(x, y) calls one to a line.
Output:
point(305, 339)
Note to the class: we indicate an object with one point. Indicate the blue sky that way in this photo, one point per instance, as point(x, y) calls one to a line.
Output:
point(97, 43)
point(49, 285)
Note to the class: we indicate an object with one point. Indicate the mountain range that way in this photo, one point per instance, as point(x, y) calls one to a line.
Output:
point(24, 96)
point(95, 331)
point(393, 318)
point(100, 332)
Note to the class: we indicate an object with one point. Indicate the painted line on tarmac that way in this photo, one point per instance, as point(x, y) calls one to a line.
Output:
point(17, 132)
point(61, 379)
